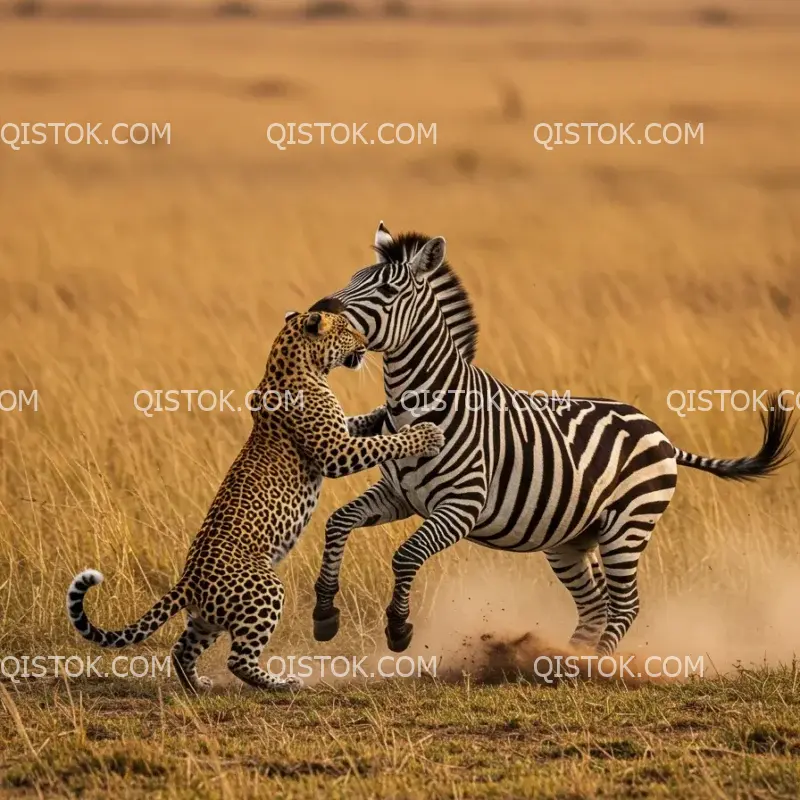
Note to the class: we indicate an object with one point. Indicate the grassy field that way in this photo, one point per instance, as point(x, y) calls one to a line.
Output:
point(727, 738)
point(626, 271)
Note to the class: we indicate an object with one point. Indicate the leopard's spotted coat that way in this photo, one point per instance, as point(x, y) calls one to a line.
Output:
point(264, 503)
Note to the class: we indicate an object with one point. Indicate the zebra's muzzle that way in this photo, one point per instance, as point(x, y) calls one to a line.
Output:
point(332, 304)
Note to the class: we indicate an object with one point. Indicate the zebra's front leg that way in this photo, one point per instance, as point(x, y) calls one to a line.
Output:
point(378, 505)
point(448, 524)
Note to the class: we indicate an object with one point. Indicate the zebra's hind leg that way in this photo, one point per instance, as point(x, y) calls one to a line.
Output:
point(620, 557)
point(198, 637)
point(581, 573)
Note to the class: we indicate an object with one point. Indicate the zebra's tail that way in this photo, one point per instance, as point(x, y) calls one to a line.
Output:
point(169, 605)
point(774, 453)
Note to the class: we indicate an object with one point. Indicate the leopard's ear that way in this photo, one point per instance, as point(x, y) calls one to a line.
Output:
point(313, 324)
point(290, 315)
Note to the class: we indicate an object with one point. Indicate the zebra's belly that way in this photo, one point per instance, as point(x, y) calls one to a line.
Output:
point(526, 534)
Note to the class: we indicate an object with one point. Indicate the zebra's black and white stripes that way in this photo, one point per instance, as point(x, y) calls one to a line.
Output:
point(584, 480)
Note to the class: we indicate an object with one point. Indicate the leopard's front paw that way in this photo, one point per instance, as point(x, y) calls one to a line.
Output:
point(432, 439)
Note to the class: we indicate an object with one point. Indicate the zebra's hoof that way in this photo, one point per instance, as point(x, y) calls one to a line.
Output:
point(325, 628)
point(398, 637)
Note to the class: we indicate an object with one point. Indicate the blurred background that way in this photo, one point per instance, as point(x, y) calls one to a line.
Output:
point(618, 270)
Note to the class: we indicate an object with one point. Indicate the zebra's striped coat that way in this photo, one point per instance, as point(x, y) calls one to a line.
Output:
point(584, 480)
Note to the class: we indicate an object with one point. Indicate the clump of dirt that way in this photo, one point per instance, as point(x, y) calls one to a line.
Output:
point(492, 659)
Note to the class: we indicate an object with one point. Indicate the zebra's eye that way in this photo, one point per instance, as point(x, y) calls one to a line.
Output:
point(389, 291)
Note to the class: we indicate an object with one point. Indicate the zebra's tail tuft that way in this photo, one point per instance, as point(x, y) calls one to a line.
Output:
point(774, 453)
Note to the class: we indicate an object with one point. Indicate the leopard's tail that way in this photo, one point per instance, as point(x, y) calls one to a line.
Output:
point(169, 605)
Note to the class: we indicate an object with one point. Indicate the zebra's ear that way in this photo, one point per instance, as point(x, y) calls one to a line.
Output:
point(382, 237)
point(429, 256)
point(290, 315)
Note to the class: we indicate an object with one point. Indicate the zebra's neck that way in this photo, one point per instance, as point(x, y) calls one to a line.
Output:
point(428, 361)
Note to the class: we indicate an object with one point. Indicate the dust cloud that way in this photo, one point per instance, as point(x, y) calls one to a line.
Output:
point(498, 623)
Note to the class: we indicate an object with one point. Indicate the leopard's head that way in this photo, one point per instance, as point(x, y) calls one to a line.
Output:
point(326, 338)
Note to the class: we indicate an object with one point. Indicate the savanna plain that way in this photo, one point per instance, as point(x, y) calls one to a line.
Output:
point(622, 271)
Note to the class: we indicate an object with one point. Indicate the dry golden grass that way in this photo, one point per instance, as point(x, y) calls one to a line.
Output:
point(622, 271)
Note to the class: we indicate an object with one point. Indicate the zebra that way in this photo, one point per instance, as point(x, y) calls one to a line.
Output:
point(582, 479)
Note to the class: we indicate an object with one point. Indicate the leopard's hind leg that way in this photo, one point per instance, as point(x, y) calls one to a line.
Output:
point(198, 637)
point(255, 611)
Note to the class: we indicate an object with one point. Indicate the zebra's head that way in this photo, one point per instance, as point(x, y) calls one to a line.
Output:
point(387, 300)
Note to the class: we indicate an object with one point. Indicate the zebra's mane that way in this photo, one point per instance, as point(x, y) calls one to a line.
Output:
point(447, 287)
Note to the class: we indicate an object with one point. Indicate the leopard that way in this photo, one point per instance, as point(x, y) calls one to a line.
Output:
point(300, 436)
